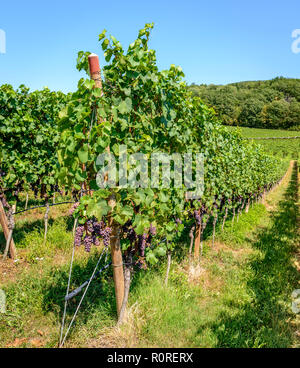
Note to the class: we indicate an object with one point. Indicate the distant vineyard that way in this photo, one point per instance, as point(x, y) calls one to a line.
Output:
point(281, 143)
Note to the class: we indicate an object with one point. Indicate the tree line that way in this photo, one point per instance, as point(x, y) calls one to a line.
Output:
point(270, 104)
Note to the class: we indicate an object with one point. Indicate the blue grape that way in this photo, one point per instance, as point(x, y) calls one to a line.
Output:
point(88, 242)
point(78, 235)
point(73, 208)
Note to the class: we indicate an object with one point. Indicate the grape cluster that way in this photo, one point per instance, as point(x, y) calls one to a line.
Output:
point(129, 232)
point(78, 235)
point(105, 233)
point(55, 188)
point(90, 226)
point(88, 242)
point(132, 236)
point(99, 229)
point(96, 240)
point(15, 192)
point(35, 188)
point(142, 244)
point(140, 241)
point(73, 208)
point(93, 231)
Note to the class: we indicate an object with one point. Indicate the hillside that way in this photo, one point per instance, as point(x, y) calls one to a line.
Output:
point(270, 104)
point(284, 148)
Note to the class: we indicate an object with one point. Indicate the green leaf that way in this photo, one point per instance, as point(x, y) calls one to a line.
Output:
point(127, 211)
point(125, 106)
point(105, 44)
point(102, 34)
point(83, 154)
point(160, 251)
point(151, 259)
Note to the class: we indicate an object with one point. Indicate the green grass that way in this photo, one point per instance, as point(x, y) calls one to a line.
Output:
point(288, 149)
point(239, 297)
point(255, 132)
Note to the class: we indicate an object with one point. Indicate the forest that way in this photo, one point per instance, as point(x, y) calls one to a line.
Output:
point(270, 104)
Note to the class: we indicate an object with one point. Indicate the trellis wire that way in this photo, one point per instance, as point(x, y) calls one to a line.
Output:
point(68, 288)
point(78, 290)
point(79, 304)
point(296, 137)
point(41, 206)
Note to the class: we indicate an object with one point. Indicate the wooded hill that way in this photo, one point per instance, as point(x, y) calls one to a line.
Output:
point(270, 104)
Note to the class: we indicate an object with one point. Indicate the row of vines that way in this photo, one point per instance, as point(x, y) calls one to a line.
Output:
point(50, 141)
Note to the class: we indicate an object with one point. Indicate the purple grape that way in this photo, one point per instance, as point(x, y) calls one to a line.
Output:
point(105, 233)
point(178, 221)
point(132, 236)
point(129, 232)
point(78, 235)
point(88, 242)
point(97, 227)
point(93, 231)
point(142, 244)
point(96, 240)
point(90, 227)
point(73, 208)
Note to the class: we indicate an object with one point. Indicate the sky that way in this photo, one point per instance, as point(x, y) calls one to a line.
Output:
point(216, 41)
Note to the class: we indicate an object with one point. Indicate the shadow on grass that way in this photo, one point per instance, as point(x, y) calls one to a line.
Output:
point(263, 322)
point(21, 230)
point(99, 297)
point(26, 227)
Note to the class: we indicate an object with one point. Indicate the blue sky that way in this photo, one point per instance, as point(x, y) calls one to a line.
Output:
point(213, 41)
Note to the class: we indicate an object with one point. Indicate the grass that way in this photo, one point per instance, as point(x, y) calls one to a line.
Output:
point(238, 296)
point(288, 148)
point(255, 132)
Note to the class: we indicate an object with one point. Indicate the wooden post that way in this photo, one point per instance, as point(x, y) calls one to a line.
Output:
point(4, 225)
point(168, 267)
point(197, 242)
point(26, 202)
point(191, 235)
point(117, 260)
point(95, 70)
point(115, 246)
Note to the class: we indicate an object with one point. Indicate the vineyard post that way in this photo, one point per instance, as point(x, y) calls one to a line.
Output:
point(197, 241)
point(115, 246)
point(248, 205)
point(6, 231)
